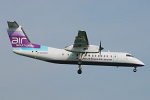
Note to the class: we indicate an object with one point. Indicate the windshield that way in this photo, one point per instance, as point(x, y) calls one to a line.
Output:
point(129, 55)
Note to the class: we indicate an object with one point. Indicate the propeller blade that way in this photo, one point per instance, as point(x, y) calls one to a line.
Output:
point(100, 48)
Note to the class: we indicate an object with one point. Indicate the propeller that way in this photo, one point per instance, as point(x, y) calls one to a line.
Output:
point(100, 48)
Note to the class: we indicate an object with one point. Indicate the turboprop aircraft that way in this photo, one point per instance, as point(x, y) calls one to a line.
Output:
point(80, 53)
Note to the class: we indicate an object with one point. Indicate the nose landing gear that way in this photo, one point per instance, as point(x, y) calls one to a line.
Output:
point(81, 56)
point(134, 70)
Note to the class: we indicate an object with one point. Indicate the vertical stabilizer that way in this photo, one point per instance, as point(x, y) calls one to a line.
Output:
point(18, 37)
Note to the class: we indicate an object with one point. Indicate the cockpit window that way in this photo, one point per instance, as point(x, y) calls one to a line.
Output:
point(129, 55)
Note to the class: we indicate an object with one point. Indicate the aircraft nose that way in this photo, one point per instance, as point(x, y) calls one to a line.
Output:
point(141, 63)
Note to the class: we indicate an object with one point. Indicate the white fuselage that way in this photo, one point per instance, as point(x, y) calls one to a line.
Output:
point(62, 56)
point(80, 52)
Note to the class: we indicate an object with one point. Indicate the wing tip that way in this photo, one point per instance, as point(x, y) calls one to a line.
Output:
point(81, 31)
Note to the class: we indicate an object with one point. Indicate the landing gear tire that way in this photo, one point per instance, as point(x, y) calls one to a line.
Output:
point(134, 70)
point(79, 71)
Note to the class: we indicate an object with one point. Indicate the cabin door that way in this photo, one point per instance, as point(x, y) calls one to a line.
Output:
point(115, 58)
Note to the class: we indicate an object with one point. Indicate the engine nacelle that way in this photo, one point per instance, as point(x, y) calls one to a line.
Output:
point(89, 49)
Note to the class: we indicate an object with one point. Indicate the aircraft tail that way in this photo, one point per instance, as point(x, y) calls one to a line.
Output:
point(18, 37)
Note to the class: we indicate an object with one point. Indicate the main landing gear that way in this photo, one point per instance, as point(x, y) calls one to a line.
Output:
point(134, 70)
point(81, 56)
point(80, 67)
point(79, 71)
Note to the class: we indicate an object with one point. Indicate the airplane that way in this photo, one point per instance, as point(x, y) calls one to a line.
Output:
point(80, 53)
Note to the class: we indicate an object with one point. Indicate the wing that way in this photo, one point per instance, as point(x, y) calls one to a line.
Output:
point(81, 40)
point(81, 44)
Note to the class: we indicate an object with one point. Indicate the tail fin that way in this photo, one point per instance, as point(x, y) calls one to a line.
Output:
point(18, 37)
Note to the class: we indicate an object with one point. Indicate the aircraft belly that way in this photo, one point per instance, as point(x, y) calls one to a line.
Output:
point(93, 63)
point(57, 57)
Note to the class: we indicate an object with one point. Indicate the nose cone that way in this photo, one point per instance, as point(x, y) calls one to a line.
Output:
point(140, 63)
